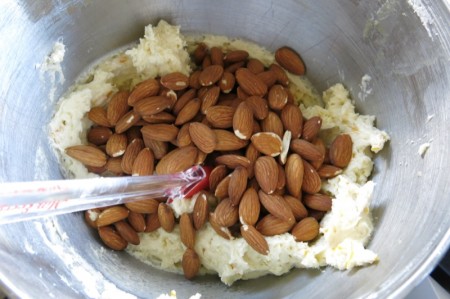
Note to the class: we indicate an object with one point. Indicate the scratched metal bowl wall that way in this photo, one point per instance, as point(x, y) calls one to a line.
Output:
point(403, 45)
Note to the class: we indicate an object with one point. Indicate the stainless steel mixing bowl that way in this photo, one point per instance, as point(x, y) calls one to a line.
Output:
point(403, 45)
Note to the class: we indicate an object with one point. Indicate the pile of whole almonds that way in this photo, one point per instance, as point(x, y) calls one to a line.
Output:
point(234, 114)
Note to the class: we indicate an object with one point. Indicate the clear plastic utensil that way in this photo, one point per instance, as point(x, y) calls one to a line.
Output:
point(29, 200)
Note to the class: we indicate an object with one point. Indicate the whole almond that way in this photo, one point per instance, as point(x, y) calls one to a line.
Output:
point(144, 164)
point(159, 118)
point(226, 83)
point(306, 230)
point(112, 239)
point(193, 79)
point(201, 211)
point(216, 176)
point(276, 205)
point(311, 179)
point(152, 105)
point(270, 225)
point(98, 116)
point(267, 143)
point(232, 68)
point(297, 207)
point(251, 153)
point(130, 155)
point(137, 221)
point(249, 207)
point(250, 82)
point(175, 81)
point(177, 160)
point(91, 216)
point(306, 150)
point(220, 117)
point(111, 215)
point(117, 107)
point(210, 75)
point(280, 74)
point(170, 94)
point(183, 137)
point(259, 106)
point(160, 132)
point(238, 185)
point(318, 201)
point(222, 231)
point(255, 66)
point(221, 191)
point(114, 165)
point(87, 154)
point(268, 77)
point(226, 214)
point(255, 239)
point(290, 60)
point(281, 183)
point(183, 100)
point(152, 222)
point(242, 121)
point(233, 161)
point(266, 173)
point(200, 52)
point(341, 150)
point(210, 98)
point(203, 137)
point(188, 112)
point(187, 231)
point(99, 135)
point(241, 94)
point(130, 119)
point(311, 128)
point(145, 206)
point(166, 217)
point(147, 88)
point(216, 55)
point(235, 56)
point(292, 119)
point(272, 123)
point(190, 263)
point(127, 232)
point(320, 145)
point(277, 97)
point(116, 145)
point(159, 148)
point(327, 171)
point(206, 61)
point(227, 141)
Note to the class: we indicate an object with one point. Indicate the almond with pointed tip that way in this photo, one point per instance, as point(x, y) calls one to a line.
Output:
point(177, 160)
point(290, 61)
point(112, 239)
point(277, 97)
point(243, 121)
point(306, 230)
point(311, 179)
point(117, 107)
point(152, 222)
point(250, 82)
point(327, 171)
point(306, 150)
point(152, 105)
point(272, 123)
point(227, 82)
point(216, 55)
point(255, 239)
point(111, 215)
point(175, 81)
point(203, 137)
point(276, 206)
point(190, 262)
point(270, 225)
point(87, 154)
point(259, 107)
point(144, 164)
point(144, 206)
point(235, 56)
point(267, 143)
point(98, 116)
point(255, 65)
point(320, 145)
point(266, 173)
point(341, 150)
point(294, 175)
point(227, 141)
point(137, 221)
point(297, 207)
point(188, 112)
point(159, 118)
point(226, 214)
point(210, 75)
point(216, 176)
point(221, 191)
point(318, 201)
point(311, 128)
point(220, 117)
point(127, 232)
point(147, 88)
point(187, 231)
point(130, 155)
point(222, 231)
point(292, 119)
point(210, 98)
point(249, 207)
point(159, 148)
point(160, 132)
point(166, 217)
point(233, 161)
point(268, 77)
point(99, 135)
point(183, 100)
point(280, 74)
point(200, 212)
point(116, 145)
point(238, 185)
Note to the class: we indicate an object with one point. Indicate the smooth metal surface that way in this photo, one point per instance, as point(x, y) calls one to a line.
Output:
point(403, 45)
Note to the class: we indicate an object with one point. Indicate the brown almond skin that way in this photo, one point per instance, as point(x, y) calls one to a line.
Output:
point(98, 116)
point(127, 232)
point(311, 128)
point(341, 150)
point(210, 75)
point(137, 221)
point(290, 60)
point(166, 217)
point(145, 206)
point(99, 135)
point(87, 217)
point(238, 185)
point(277, 97)
point(216, 176)
point(188, 112)
point(187, 231)
point(311, 179)
point(321, 147)
point(242, 121)
point(87, 154)
point(116, 145)
point(259, 106)
point(296, 206)
point(236, 56)
point(318, 201)
point(327, 171)
point(220, 117)
point(160, 132)
point(127, 121)
point(210, 98)
point(221, 191)
point(159, 148)
point(268, 77)
point(227, 82)
point(227, 141)
point(306, 230)
point(250, 83)
point(183, 100)
point(190, 263)
point(152, 222)
point(226, 214)
point(114, 165)
point(177, 160)
point(270, 225)
point(144, 89)
point(152, 105)
point(200, 52)
point(175, 81)
point(183, 137)
point(251, 153)
point(255, 239)
point(222, 231)
point(266, 173)
point(306, 150)
point(255, 66)
point(112, 239)
point(276, 205)
point(131, 154)
point(117, 107)
point(216, 55)
point(111, 215)
point(249, 207)
point(200, 213)
point(268, 143)
point(272, 123)
point(292, 119)
point(203, 137)
point(294, 175)
point(280, 74)
point(144, 164)
point(233, 161)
